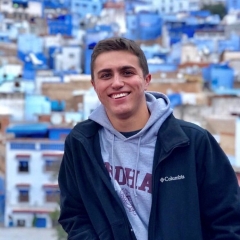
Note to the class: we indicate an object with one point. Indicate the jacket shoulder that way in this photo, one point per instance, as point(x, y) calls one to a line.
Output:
point(86, 128)
point(189, 126)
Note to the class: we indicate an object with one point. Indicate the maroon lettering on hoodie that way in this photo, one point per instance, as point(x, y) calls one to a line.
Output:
point(126, 176)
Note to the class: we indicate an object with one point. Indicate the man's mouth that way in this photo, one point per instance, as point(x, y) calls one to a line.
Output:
point(119, 95)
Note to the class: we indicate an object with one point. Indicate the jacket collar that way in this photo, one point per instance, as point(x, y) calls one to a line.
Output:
point(87, 128)
point(171, 134)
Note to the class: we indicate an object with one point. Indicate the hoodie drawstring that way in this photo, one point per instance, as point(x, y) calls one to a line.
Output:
point(113, 164)
point(136, 168)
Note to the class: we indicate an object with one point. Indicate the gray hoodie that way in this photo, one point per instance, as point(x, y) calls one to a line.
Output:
point(129, 160)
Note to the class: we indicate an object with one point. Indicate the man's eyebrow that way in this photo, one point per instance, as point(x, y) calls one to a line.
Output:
point(104, 70)
point(122, 68)
point(126, 67)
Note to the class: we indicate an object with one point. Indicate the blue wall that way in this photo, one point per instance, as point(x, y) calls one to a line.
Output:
point(232, 44)
point(162, 67)
point(2, 199)
point(36, 104)
point(232, 4)
point(150, 26)
point(84, 7)
point(222, 77)
point(61, 24)
point(56, 4)
point(219, 76)
point(143, 26)
point(4, 36)
point(58, 133)
point(29, 43)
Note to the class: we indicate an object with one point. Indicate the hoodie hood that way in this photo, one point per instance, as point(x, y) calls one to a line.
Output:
point(159, 107)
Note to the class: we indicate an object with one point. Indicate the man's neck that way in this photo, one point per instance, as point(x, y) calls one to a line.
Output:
point(131, 123)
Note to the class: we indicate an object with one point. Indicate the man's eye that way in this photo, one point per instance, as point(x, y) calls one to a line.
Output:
point(127, 73)
point(105, 75)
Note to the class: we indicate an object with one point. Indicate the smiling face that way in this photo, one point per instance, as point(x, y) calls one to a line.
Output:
point(120, 85)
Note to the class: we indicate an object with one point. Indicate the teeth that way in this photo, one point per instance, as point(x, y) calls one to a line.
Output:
point(119, 95)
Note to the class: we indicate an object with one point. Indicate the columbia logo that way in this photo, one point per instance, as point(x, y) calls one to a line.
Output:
point(168, 179)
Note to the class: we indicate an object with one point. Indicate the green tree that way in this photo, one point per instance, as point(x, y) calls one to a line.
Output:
point(61, 234)
point(218, 9)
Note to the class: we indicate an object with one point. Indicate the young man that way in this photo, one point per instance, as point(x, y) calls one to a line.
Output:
point(133, 171)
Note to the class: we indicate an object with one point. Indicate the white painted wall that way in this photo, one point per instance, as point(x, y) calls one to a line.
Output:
point(70, 58)
point(39, 80)
point(15, 108)
point(174, 6)
point(36, 177)
point(34, 8)
point(90, 102)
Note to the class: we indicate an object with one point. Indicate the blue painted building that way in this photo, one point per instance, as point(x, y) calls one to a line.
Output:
point(20, 3)
point(143, 26)
point(36, 104)
point(4, 36)
point(60, 25)
point(154, 51)
point(162, 67)
point(56, 4)
point(86, 7)
point(29, 43)
point(187, 26)
point(231, 44)
point(39, 130)
point(92, 37)
point(30, 52)
point(219, 76)
point(203, 44)
point(232, 5)
point(2, 198)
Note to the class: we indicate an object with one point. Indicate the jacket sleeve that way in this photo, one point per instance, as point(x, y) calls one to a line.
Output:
point(218, 192)
point(73, 216)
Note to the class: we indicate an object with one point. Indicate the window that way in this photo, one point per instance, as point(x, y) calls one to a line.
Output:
point(52, 195)
point(21, 223)
point(52, 165)
point(23, 195)
point(23, 166)
point(27, 146)
point(52, 146)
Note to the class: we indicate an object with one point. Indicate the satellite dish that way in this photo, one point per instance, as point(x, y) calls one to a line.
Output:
point(163, 75)
point(179, 75)
point(56, 119)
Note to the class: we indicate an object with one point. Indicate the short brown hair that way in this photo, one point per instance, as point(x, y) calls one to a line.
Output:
point(119, 44)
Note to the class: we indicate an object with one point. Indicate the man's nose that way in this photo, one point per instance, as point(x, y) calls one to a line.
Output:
point(117, 81)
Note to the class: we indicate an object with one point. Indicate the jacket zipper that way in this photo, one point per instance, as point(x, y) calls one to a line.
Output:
point(151, 230)
point(126, 220)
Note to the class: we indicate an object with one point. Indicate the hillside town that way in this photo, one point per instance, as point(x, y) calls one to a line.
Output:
point(193, 55)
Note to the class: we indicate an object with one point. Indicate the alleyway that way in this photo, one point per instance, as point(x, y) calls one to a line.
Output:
point(27, 234)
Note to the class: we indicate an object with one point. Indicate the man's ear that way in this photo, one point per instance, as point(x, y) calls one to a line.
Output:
point(148, 79)
point(93, 83)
